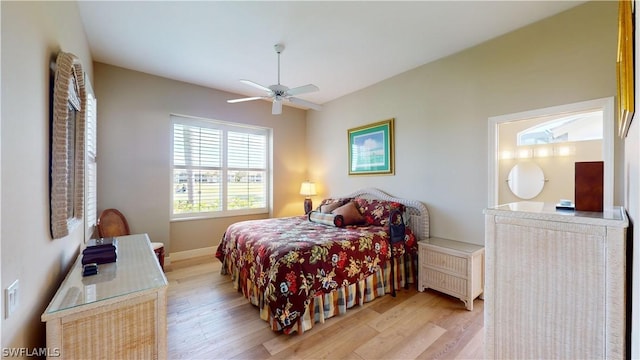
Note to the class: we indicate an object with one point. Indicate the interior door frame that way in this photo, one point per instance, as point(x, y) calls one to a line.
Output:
point(608, 140)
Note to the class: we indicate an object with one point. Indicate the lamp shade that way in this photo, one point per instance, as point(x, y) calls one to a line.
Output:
point(308, 188)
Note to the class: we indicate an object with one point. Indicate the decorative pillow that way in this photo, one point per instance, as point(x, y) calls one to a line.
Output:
point(376, 212)
point(350, 213)
point(328, 208)
point(326, 219)
point(328, 205)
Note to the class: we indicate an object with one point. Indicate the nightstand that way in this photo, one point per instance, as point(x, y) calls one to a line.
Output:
point(452, 267)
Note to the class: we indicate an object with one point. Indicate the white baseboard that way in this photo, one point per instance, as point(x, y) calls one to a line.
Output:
point(188, 254)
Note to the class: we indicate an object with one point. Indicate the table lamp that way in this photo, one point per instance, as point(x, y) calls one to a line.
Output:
point(308, 189)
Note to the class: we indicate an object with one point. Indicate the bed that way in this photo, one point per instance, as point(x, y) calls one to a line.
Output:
point(302, 270)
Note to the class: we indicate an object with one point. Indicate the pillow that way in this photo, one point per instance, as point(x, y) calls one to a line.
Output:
point(376, 212)
point(330, 204)
point(328, 208)
point(350, 214)
point(326, 219)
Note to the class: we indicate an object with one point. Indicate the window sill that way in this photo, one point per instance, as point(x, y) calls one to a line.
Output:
point(221, 215)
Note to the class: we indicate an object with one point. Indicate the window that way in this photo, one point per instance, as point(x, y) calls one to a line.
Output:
point(579, 126)
point(91, 166)
point(219, 168)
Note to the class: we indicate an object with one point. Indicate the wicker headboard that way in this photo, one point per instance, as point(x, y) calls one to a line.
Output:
point(418, 215)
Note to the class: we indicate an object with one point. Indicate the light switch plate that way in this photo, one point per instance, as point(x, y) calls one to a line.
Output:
point(10, 299)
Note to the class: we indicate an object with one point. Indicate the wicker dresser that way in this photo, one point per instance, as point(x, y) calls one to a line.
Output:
point(452, 267)
point(120, 313)
point(555, 283)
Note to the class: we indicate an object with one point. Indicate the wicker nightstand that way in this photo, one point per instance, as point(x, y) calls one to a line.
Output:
point(452, 267)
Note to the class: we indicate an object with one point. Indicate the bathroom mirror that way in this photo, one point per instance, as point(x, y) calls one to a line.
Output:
point(526, 180)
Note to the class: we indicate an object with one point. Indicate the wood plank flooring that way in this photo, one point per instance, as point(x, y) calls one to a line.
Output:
point(208, 319)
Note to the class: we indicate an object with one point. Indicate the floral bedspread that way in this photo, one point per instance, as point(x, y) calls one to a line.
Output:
point(291, 259)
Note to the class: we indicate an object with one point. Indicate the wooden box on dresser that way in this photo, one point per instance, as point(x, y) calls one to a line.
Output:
point(452, 267)
point(555, 282)
point(120, 313)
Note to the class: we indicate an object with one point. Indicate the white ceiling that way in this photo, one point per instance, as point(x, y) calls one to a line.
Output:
point(339, 46)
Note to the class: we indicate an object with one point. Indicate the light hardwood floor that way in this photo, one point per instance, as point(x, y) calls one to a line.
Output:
point(208, 319)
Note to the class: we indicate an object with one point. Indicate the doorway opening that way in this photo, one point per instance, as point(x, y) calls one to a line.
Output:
point(553, 139)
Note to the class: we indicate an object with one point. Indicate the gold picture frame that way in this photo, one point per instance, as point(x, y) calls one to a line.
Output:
point(371, 149)
point(624, 67)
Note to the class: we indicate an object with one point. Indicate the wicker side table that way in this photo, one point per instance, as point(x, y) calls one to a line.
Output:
point(452, 267)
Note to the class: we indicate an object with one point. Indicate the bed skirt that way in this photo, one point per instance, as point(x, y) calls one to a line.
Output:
point(336, 302)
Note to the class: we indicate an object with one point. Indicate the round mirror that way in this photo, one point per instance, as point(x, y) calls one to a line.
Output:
point(526, 180)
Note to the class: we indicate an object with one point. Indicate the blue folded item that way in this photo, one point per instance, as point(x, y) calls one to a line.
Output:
point(99, 250)
point(99, 258)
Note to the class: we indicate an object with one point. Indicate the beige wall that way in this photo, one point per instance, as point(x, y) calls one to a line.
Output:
point(632, 204)
point(442, 110)
point(32, 34)
point(134, 173)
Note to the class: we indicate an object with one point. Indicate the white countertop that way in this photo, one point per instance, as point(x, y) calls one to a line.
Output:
point(612, 216)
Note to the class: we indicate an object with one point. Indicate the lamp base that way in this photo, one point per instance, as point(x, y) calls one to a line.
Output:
point(308, 205)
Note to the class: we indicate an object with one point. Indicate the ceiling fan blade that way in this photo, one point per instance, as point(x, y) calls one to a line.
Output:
point(306, 103)
point(255, 85)
point(276, 108)
point(233, 101)
point(302, 89)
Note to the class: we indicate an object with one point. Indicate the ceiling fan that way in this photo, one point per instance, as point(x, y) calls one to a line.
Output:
point(280, 92)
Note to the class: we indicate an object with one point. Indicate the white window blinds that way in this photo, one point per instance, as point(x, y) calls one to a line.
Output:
point(91, 173)
point(218, 168)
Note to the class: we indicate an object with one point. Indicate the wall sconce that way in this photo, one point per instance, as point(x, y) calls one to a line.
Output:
point(542, 152)
point(564, 151)
point(308, 189)
point(525, 153)
point(507, 155)
point(538, 152)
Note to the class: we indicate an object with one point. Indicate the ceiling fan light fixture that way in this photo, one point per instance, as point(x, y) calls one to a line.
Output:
point(276, 108)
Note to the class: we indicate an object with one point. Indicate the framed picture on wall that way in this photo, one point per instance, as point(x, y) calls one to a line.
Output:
point(371, 149)
point(624, 66)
